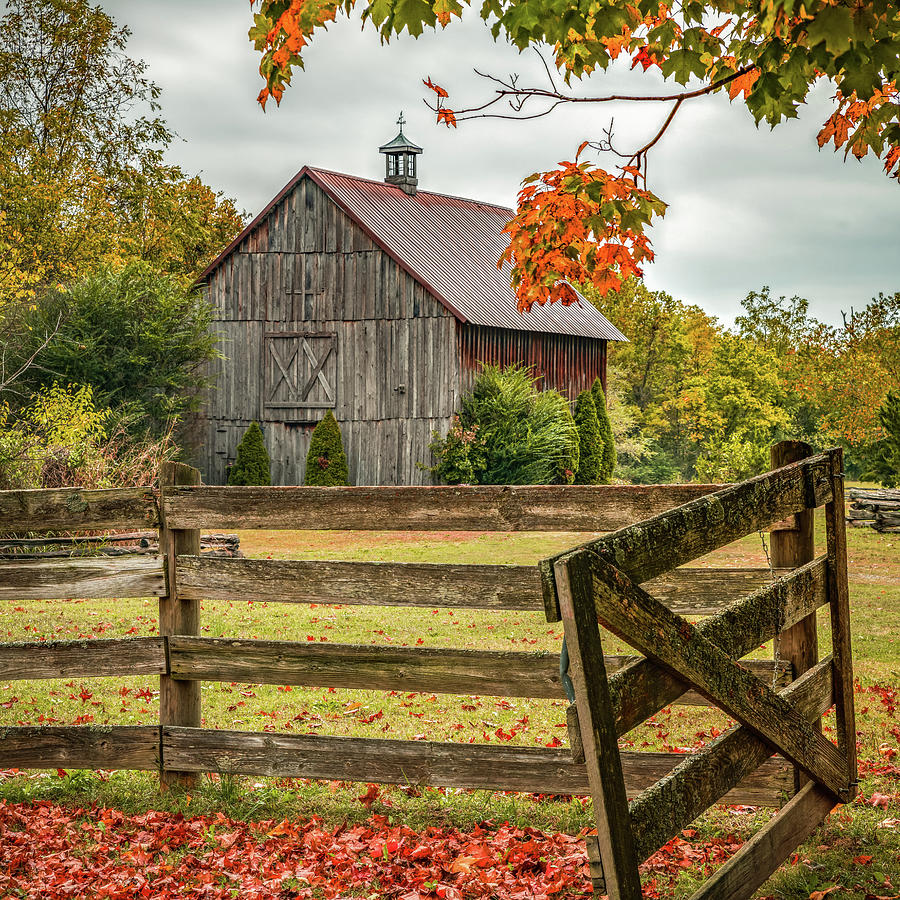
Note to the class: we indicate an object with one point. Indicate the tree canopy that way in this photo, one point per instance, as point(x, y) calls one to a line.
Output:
point(585, 224)
point(690, 398)
point(83, 180)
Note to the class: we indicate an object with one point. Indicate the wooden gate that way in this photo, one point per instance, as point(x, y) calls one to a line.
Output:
point(599, 584)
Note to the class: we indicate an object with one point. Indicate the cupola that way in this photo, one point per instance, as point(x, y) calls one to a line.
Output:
point(400, 160)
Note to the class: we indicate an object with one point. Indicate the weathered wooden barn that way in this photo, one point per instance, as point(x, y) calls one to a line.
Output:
point(378, 301)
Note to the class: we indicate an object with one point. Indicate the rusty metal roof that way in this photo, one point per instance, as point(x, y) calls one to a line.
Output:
point(451, 246)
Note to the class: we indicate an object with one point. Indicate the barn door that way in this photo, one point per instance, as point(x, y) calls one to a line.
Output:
point(299, 371)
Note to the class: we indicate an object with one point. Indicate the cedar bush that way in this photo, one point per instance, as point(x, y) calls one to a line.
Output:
point(590, 445)
point(251, 466)
point(886, 468)
point(608, 463)
point(509, 432)
point(326, 462)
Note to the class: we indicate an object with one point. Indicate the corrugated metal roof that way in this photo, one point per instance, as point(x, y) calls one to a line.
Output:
point(450, 245)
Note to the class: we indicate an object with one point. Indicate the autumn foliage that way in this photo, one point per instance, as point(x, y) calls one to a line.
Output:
point(578, 224)
point(55, 852)
point(766, 54)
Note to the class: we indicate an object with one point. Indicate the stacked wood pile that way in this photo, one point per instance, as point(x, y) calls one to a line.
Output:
point(126, 544)
point(879, 509)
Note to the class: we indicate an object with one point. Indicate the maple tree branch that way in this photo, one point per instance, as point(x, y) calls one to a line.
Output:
point(639, 157)
point(517, 96)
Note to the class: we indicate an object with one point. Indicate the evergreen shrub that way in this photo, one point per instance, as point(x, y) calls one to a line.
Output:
point(251, 465)
point(608, 462)
point(590, 446)
point(886, 468)
point(508, 431)
point(326, 462)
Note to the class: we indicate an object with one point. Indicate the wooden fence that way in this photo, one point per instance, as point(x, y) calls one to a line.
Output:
point(655, 529)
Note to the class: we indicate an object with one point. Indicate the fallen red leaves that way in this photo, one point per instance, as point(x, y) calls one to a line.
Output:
point(49, 852)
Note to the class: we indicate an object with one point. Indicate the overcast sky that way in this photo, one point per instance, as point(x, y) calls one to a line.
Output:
point(748, 207)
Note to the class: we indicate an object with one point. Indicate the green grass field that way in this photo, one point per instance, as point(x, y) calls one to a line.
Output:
point(858, 850)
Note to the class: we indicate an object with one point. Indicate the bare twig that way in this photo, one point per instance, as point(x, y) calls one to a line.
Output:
point(7, 380)
point(516, 97)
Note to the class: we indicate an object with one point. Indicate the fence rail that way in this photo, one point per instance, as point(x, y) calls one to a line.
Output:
point(477, 767)
point(74, 509)
point(485, 508)
point(633, 581)
point(75, 579)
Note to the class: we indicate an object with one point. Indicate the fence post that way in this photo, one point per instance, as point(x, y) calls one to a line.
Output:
point(793, 544)
point(179, 701)
point(839, 598)
point(615, 839)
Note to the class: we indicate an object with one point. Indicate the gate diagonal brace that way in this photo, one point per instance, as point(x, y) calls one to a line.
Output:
point(642, 689)
point(676, 645)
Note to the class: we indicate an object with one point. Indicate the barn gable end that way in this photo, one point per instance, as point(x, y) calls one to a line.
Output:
point(313, 315)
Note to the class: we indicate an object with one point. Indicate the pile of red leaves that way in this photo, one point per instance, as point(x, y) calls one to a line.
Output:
point(47, 851)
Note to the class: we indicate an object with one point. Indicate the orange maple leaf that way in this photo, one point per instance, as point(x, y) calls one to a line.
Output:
point(743, 84)
point(447, 116)
point(435, 87)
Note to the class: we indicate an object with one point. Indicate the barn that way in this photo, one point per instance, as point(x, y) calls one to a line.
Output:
point(378, 301)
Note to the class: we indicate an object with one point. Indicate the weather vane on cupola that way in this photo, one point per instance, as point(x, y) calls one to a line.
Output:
point(400, 159)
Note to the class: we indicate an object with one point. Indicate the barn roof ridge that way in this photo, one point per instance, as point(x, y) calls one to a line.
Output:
point(379, 183)
point(450, 248)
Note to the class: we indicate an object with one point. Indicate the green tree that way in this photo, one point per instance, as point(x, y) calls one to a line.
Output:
point(670, 343)
point(82, 177)
point(139, 339)
point(251, 464)
point(780, 325)
point(608, 459)
point(736, 410)
point(591, 449)
point(326, 462)
point(847, 371)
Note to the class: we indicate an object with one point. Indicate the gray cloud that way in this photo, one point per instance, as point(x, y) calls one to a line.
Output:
point(747, 206)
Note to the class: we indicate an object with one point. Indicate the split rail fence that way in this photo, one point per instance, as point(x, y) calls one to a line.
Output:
point(655, 530)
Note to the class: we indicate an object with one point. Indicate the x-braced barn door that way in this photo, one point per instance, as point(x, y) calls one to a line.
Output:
point(299, 371)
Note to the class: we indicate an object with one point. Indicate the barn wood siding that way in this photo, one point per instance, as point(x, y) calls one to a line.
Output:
point(566, 362)
point(308, 268)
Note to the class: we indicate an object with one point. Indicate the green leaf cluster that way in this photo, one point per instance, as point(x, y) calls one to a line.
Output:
point(139, 339)
point(251, 464)
point(508, 431)
point(326, 461)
